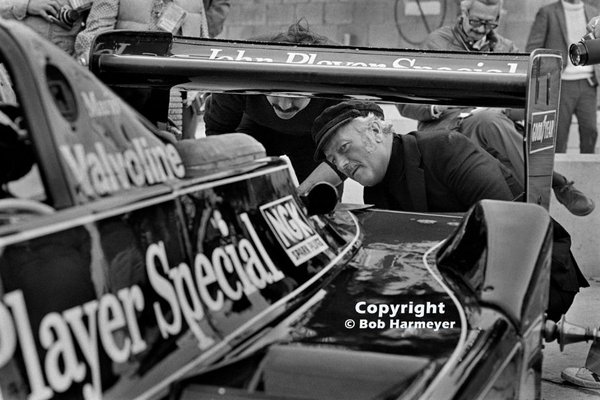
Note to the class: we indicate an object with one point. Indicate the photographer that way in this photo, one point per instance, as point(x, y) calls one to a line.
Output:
point(555, 27)
point(59, 21)
point(582, 53)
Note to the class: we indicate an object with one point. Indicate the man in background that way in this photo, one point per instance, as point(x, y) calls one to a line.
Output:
point(550, 17)
point(493, 129)
point(282, 122)
point(556, 26)
point(56, 20)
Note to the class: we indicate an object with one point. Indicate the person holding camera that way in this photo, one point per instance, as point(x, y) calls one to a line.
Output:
point(59, 21)
point(556, 26)
point(179, 17)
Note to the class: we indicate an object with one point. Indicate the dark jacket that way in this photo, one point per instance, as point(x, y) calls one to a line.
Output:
point(440, 171)
point(451, 38)
point(549, 30)
point(253, 115)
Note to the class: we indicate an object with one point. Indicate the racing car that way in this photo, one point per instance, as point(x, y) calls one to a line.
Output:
point(136, 266)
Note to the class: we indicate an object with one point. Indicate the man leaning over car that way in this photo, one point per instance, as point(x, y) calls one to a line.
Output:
point(434, 171)
point(281, 122)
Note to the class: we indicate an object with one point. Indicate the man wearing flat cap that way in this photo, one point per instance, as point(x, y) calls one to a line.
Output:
point(439, 171)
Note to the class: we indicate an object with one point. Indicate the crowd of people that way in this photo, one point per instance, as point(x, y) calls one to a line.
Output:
point(458, 156)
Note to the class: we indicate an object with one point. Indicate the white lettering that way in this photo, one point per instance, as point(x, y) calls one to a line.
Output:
point(39, 390)
point(101, 173)
point(87, 338)
point(100, 108)
point(61, 364)
point(164, 289)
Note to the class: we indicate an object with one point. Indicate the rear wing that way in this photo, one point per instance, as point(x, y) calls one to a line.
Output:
point(529, 81)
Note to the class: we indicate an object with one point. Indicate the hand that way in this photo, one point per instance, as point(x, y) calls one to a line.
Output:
point(593, 26)
point(43, 8)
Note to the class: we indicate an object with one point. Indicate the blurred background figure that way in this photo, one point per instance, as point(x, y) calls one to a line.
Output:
point(216, 13)
point(556, 26)
point(59, 21)
point(179, 17)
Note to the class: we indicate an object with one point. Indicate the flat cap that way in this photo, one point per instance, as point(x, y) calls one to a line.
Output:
point(334, 116)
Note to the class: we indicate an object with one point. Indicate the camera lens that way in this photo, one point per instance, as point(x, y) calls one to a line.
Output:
point(585, 53)
point(578, 54)
point(68, 15)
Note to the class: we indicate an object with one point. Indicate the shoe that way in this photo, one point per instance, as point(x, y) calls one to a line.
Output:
point(574, 200)
point(581, 377)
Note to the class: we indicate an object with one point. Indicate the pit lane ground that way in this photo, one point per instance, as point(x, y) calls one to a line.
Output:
point(585, 311)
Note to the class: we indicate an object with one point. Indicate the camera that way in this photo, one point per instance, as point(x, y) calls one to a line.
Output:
point(68, 15)
point(66, 18)
point(586, 51)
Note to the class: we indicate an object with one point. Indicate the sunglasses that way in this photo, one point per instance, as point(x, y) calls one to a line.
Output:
point(476, 23)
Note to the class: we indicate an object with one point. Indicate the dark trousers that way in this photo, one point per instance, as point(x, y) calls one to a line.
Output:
point(565, 276)
point(577, 97)
point(498, 135)
point(593, 359)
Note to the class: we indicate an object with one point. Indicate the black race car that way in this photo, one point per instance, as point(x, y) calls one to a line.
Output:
point(136, 266)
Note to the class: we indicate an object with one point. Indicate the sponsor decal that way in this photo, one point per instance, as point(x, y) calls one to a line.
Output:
point(543, 128)
point(72, 339)
point(362, 60)
point(100, 107)
point(291, 228)
point(99, 172)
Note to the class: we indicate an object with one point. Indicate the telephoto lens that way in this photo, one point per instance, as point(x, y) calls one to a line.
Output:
point(586, 52)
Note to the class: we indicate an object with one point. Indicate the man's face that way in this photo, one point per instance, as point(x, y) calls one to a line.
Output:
point(480, 19)
point(287, 106)
point(358, 152)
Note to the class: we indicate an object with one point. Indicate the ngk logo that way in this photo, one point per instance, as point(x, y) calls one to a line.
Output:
point(291, 228)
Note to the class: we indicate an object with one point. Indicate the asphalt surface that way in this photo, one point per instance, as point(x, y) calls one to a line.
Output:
point(585, 311)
